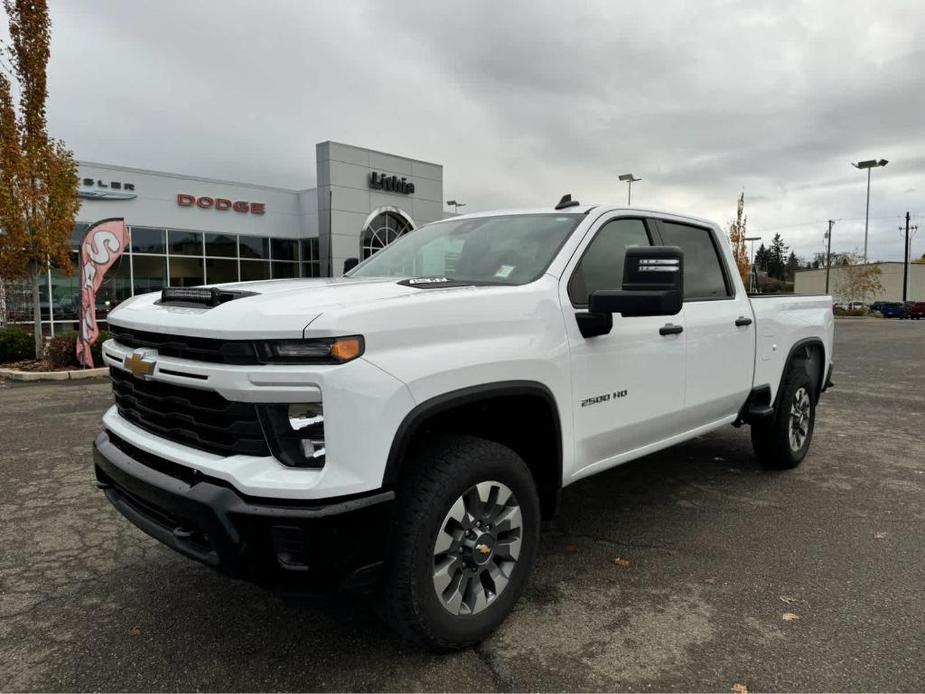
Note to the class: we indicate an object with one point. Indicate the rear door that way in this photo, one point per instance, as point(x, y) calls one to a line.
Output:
point(627, 385)
point(718, 323)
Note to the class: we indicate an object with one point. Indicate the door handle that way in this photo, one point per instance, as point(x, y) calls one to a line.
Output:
point(742, 321)
point(670, 329)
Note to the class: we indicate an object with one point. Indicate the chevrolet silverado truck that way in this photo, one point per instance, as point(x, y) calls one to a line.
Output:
point(403, 430)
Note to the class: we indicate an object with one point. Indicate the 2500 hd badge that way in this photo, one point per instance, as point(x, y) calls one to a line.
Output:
point(606, 397)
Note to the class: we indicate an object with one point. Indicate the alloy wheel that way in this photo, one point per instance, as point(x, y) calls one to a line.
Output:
point(799, 419)
point(477, 548)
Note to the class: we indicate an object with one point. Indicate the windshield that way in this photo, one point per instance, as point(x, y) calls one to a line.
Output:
point(508, 249)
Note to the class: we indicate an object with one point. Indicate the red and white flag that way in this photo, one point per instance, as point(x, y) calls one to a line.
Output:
point(102, 246)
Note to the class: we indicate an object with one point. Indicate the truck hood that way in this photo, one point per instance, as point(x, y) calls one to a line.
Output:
point(277, 308)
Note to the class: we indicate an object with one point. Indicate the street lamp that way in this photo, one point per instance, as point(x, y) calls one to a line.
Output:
point(456, 205)
point(629, 179)
point(869, 164)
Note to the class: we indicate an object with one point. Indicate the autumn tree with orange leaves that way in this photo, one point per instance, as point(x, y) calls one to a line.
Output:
point(38, 174)
point(737, 239)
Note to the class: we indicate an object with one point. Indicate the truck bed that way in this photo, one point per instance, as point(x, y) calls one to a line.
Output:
point(784, 322)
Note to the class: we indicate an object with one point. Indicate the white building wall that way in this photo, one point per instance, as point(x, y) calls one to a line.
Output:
point(891, 277)
point(346, 200)
point(156, 203)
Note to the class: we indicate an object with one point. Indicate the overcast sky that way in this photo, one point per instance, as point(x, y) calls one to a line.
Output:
point(522, 101)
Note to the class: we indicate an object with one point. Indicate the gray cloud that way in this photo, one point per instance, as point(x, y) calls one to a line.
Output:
point(521, 101)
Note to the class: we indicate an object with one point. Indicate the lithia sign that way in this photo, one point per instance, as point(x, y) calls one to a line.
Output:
point(391, 184)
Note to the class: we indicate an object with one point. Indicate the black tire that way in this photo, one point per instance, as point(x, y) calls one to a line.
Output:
point(440, 472)
point(771, 439)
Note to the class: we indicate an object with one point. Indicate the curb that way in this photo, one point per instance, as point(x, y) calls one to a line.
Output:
point(76, 375)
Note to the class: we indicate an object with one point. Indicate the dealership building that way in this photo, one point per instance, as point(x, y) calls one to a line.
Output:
point(187, 231)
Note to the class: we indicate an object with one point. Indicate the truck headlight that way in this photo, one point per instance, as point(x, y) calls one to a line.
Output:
point(294, 432)
point(319, 350)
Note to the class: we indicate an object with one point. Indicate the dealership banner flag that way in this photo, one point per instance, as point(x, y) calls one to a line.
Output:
point(102, 246)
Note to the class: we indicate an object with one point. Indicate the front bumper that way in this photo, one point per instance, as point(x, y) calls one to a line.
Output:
point(293, 547)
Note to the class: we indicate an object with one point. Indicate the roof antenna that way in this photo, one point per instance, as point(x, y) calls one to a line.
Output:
point(567, 201)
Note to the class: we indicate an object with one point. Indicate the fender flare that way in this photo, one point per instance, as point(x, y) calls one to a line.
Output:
point(794, 349)
point(465, 396)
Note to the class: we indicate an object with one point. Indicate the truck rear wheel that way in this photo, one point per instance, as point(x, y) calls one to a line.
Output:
point(783, 441)
point(464, 543)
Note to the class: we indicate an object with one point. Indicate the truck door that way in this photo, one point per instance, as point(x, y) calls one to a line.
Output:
point(627, 385)
point(718, 323)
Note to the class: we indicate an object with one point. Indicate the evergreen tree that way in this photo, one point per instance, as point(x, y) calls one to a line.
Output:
point(793, 264)
point(777, 258)
point(761, 258)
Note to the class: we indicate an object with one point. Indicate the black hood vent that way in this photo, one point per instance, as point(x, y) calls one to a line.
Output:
point(197, 297)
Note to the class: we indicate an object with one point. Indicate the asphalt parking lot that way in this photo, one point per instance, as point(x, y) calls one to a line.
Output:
point(692, 569)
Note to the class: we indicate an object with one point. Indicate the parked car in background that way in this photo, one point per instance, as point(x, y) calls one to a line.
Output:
point(876, 306)
point(914, 310)
point(891, 309)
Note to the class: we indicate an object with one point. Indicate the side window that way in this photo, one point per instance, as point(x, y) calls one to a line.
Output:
point(601, 266)
point(703, 273)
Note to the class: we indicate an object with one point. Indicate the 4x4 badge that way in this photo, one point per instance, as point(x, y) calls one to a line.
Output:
point(141, 363)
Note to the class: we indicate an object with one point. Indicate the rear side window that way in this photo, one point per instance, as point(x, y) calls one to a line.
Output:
point(703, 272)
point(601, 266)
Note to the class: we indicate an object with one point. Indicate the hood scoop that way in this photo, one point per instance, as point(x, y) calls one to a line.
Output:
point(199, 297)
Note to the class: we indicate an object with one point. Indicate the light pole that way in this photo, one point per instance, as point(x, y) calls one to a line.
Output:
point(752, 275)
point(913, 229)
point(629, 179)
point(828, 254)
point(456, 205)
point(869, 164)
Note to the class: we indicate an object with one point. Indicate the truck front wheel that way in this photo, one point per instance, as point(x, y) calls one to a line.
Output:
point(464, 543)
point(783, 441)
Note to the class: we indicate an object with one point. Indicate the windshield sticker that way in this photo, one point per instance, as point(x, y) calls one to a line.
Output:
point(505, 271)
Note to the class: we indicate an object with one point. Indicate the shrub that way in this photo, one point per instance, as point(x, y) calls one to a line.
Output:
point(15, 345)
point(61, 350)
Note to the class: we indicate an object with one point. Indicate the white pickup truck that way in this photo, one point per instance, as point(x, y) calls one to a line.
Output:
point(405, 428)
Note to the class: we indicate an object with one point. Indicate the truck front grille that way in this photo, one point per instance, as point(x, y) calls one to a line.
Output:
point(184, 347)
point(201, 419)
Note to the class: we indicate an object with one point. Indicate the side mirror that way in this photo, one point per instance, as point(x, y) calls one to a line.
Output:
point(653, 285)
point(350, 263)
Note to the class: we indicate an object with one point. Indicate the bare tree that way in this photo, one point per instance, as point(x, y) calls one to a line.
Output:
point(856, 281)
point(737, 239)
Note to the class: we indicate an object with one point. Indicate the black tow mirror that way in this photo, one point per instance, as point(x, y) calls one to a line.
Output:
point(350, 263)
point(653, 285)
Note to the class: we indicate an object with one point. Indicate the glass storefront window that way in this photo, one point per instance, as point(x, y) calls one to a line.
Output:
point(115, 289)
point(184, 242)
point(195, 257)
point(254, 270)
point(284, 249)
point(218, 271)
point(150, 273)
point(285, 270)
point(224, 245)
point(310, 249)
point(311, 269)
point(254, 247)
point(147, 240)
point(186, 272)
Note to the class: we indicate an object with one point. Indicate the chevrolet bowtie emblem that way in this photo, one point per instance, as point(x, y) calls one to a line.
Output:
point(484, 549)
point(141, 363)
